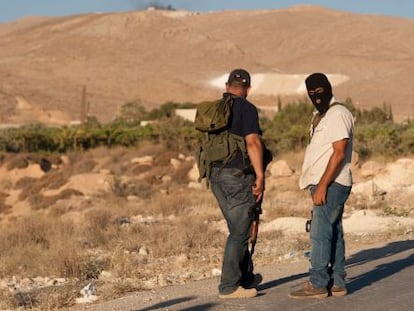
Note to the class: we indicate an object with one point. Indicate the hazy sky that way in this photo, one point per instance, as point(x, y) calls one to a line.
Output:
point(13, 9)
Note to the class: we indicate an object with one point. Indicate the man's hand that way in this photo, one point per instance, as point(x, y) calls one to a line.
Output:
point(258, 189)
point(335, 161)
point(319, 196)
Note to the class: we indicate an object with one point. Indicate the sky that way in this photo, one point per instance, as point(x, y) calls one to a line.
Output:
point(11, 10)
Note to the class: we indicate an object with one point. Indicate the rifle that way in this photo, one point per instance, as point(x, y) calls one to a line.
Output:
point(256, 209)
point(254, 214)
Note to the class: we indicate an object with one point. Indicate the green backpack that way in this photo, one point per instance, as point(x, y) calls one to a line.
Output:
point(217, 144)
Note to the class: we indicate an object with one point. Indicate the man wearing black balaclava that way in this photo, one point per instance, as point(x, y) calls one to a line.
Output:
point(319, 91)
point(326, 174)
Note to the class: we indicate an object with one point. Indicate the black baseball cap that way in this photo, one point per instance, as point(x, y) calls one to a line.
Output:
point(239, 75)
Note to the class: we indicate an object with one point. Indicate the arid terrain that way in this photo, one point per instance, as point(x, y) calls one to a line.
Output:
point(90, 226)
point(159, 56)
point(124, 220)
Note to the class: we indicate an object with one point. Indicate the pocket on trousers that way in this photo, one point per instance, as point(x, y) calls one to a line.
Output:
point(237, 187)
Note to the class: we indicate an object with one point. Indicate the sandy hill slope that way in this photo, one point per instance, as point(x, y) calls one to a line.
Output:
point(157, 56)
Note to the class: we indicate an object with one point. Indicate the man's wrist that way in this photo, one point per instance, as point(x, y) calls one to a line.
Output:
point(259, 176)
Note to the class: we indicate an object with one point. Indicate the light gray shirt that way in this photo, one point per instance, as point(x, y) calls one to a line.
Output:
point(337, 124)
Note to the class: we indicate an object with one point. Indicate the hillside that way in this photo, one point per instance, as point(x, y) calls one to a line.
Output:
point(133, 219)
point(156, 56)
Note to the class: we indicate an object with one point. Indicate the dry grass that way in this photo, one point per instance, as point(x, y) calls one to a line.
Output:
point(293, 159)
point(40, 246)
point(113, 247)
point(51, 245)
point(163, 158)
point(3, 157)
point(182, 237)
point(140, 188)
point(286, 204)
point(32, 186)
point(45, 298)
point(173, 204)
point(180, 174)
point(81, 166)
point(33, 245)
point(22, 160)
point(7, 300)
point(4, 208)
point(181, 233)
point(39, 201)
point(116, 289)
point(118, 159)
point(19, 161)
point(77, 237)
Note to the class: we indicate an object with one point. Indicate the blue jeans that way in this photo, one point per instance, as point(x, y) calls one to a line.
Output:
point(232, 189)
point(328, 245)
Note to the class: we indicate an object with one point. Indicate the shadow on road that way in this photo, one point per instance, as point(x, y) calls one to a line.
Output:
point(360, 258)
point(381, 271)
point(281, 281)
point(167, 303)
point(203, 307)
point(379, 252)
point(355, 283)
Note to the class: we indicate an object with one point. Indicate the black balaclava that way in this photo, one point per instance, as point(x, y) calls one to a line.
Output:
point(322, 100)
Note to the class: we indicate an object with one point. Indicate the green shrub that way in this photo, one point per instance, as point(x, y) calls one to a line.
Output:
point(375, 131)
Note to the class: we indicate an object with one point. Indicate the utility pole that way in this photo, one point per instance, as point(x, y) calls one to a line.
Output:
point(84, 109)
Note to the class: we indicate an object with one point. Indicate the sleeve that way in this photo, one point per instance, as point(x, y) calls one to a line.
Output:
point(250, 121)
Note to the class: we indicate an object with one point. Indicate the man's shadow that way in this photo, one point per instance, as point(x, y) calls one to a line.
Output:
point(281, 281)
point(172, 302)
point(380, 252)
point(379, 272)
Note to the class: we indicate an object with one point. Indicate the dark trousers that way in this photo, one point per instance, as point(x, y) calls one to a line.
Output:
point(232, 189)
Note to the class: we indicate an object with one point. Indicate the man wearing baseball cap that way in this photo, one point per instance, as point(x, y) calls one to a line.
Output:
point(238, 189)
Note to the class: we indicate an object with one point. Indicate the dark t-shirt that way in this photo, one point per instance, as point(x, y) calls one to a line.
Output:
point(244, 121)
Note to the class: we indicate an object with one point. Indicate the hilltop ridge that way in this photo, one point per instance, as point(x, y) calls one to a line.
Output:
point(158, 56)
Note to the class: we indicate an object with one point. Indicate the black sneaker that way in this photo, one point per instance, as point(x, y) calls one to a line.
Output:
point(308, 291)
point(256, 280)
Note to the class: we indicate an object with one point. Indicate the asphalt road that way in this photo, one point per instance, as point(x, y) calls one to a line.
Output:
point(380, 278)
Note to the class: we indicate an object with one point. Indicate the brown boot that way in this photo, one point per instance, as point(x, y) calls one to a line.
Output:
point(240, 292)
point(308, 291)
point(337, 291)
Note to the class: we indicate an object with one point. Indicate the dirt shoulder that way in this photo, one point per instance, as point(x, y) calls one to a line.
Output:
point(285, 275)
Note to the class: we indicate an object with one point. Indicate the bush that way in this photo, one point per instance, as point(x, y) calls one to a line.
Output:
point(375, 131)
